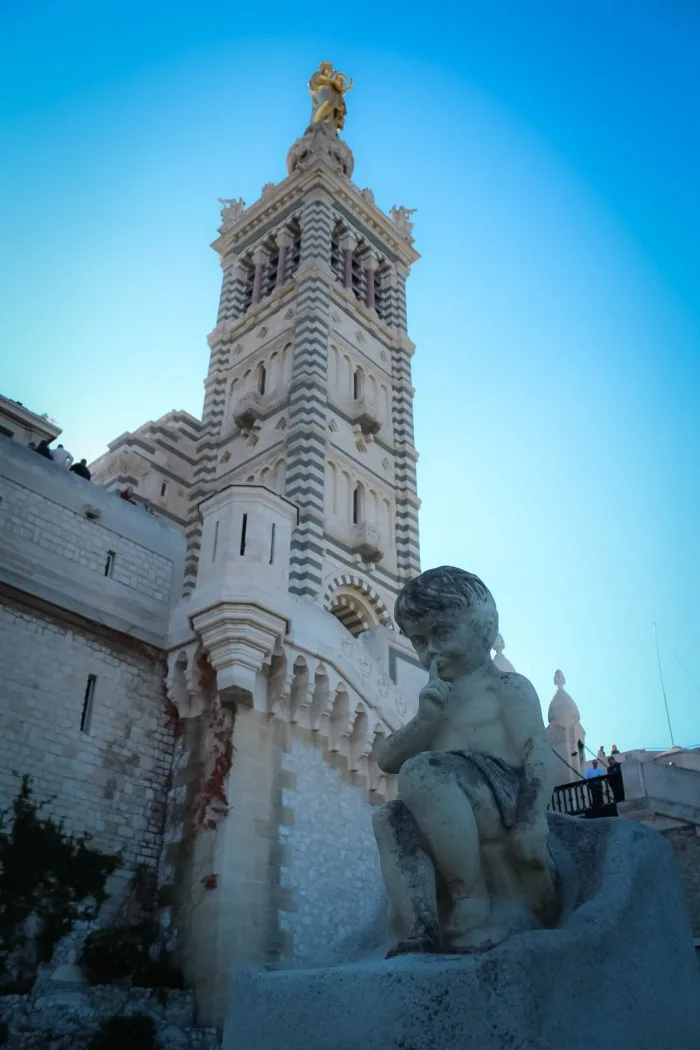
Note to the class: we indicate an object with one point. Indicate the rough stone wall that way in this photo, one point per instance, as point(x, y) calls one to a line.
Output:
point(685, 843)
point(110, 778)
point(66, 1016)
point(332, 866)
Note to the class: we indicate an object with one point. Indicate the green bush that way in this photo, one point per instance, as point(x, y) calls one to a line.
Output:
point(47, 873)
point(126, 1033)
point(116, 953)
point(122, 953)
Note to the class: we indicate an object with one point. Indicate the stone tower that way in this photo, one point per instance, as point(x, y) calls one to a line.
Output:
point(566, 734)
point(297, 494)
point(309, 385)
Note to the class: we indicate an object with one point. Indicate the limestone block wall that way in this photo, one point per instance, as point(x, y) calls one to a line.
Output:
point(82, 549)
point(105, 753)
point(331, 868)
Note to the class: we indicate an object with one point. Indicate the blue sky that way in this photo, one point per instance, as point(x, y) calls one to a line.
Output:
point(552, 150)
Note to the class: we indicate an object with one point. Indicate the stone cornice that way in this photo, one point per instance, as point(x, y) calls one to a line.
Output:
point(42, 425)
point(246, 491)
point(296, 189)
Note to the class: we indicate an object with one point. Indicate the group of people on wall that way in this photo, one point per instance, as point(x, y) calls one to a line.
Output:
point(603, 765)
point(607, 766)
point(62, 458)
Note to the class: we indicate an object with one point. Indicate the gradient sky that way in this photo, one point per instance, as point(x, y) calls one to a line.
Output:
point(552, 150)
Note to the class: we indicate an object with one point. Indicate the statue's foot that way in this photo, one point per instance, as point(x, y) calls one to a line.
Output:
point(425, 944)
point(467, 914)
point(481, 939)
point(478, 924)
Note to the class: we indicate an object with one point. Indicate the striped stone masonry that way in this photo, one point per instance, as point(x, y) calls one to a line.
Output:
point(407, 536)
point(306, 441)
point(204, 472)
point(233, 292)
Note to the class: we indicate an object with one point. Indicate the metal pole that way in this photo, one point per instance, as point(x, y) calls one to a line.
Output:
point(663, 687)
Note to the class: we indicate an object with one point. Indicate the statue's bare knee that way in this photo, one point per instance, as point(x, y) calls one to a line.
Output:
point(416, 776)
point(384, 818)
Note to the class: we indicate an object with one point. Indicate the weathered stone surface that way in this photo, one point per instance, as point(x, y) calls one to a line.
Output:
point(623, 951)
point(68, 1015)
point(464, 848)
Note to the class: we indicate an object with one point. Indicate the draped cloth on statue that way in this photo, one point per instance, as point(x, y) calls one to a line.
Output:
point(504, 781)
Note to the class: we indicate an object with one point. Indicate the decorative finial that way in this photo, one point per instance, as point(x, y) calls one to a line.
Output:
point(499, 645)
point(328, 88)
point(559, 679)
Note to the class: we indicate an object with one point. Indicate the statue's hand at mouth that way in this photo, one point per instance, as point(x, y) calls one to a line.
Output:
point(434, 695)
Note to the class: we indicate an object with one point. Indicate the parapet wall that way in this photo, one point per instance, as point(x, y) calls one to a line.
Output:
point(81, 549)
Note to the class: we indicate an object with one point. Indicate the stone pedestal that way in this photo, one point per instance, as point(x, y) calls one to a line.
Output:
point(621, 961)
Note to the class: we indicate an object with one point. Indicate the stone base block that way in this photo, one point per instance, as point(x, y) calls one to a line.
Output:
point(620, 969)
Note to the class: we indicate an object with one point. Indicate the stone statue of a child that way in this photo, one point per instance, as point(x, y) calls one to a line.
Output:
point(464, 850)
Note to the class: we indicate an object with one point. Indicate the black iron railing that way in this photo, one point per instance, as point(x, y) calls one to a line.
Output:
point(596, 797)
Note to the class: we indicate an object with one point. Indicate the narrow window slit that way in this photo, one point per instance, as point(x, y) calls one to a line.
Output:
point(272, 546)
point(87, 704)
point(244, 527)
point(109, 563)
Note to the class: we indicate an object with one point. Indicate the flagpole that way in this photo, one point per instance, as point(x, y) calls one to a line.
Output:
point(663, 687)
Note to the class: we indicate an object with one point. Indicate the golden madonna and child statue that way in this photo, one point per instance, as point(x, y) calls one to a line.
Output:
point(328, 88)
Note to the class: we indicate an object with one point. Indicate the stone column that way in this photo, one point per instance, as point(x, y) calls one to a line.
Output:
point(284, 241)
point(259, 260)
point(400, 296)
point(371, 262)
point(348, 243)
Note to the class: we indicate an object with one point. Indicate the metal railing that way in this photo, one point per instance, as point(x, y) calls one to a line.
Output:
point(596, 797)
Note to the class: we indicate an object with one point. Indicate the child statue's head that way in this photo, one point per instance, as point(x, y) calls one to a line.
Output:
point(448, 615)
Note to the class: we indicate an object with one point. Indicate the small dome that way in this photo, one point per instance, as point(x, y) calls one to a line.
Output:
point(563, 710)
point(500, 661)
point(320, 143)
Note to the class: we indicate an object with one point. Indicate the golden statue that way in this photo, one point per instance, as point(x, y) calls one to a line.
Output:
point(327, 89)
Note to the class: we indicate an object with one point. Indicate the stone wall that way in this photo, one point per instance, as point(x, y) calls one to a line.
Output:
point(84, 550)
point(686, 846)
point(331, 862)
point(65, 1016)
point(108, 778)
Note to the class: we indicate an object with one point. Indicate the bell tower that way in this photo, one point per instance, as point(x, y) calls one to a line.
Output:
point(309, 385)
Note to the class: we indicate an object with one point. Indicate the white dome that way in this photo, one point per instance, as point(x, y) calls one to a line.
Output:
point(563, 710)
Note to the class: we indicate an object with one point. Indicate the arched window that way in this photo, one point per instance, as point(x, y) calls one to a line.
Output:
point(333, 487)
point(358, 383)
point(232, 392)
point(358, 499)
point(337, 258)
point(260, 378)
point(248, 278)
point(293, 254)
